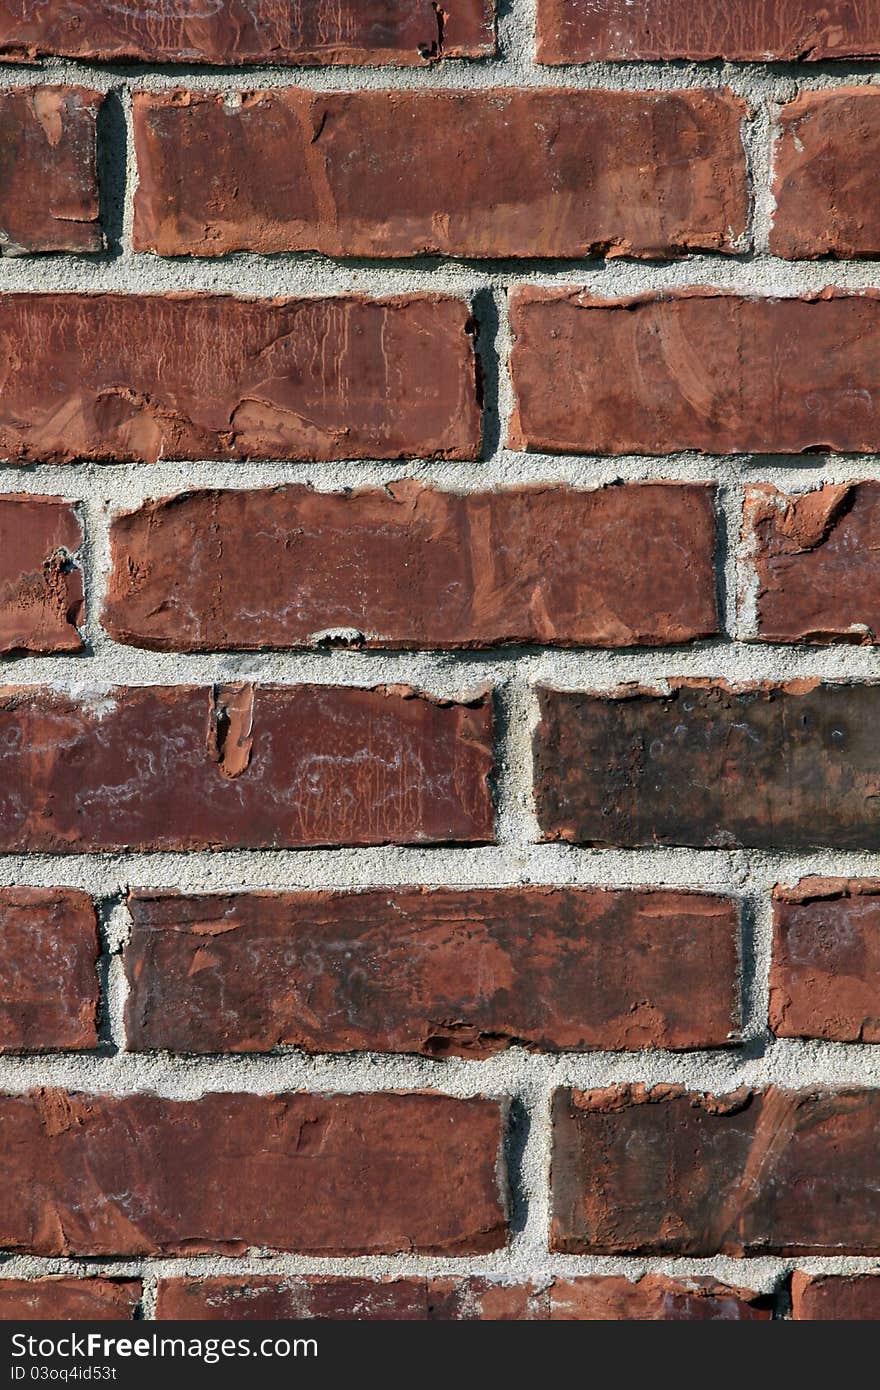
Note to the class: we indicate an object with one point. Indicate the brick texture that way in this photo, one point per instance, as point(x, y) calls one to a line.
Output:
point(41, 588)
point(835, 1298)
point(709, 765)
point(667, 1172)
point(409, 566)
point(351, 1174)
point(812, 573)
point(825, 972)
point(580, 31)
point(48, 970)
point(654, 1298)
point(405, 173)
point(231, 32)
point(699, 369)
point(48, 174)
point(827, 145)
point(68, 1300)
point(116, 377)
point(442, 972)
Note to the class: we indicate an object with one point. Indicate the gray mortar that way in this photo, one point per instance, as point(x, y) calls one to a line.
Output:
point(100, 491)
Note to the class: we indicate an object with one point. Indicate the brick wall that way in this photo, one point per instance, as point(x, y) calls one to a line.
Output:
point(439, 780)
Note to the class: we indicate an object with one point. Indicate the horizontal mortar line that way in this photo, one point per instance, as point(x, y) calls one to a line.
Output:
point(789, 1063)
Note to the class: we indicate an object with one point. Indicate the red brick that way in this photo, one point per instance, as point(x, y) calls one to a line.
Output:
point(238, 32)
point(41, 590)
point(49, 951)
point(581, 31)
point(835, 1297)
point(48, 173)
point(698, 369)
point(601, 1299)
point(464, 173)
point(668, 1172)
point(325, 1175)
point(262, 767)
point(68, 1300)
point(408, 566)
point(811, 563)
point(197, 376)
point(710, 765)
point(461, 972)
point(825, 972)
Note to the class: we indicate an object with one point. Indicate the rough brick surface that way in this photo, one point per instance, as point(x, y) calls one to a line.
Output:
point(182, 767)
point(835, 1297)
point(825, 972)
point(709, 765)
point(408, 566)
point(349, 1174)
point(48, 175)
point(500, 173)
point(186, 376)
point(580, 31)
point(41, 589)
point(231, 32)
point(654, 1298)
point(68, 1300)
point(824, 193)
point(436, 972)
point(701, 369)
point(812, 569)
point(48, 980)
point(668, 1172)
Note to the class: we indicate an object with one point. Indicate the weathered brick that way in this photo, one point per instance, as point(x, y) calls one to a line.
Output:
point(346, 1174)
point(835, 1297)
point(669, 1172)
point(408, 566)
point(41, 590)
point(48, 173)
point(710, 765)
point(198, 376)
point(698, 369)
point(581, 31)
point(604, 1299)
point(49, 951)
point(812, 573)
point(68, 1300)
point(465, 173)
point(825, 971)
point(825, 197)
point(182, 767)
point(461, 972)
point(236, 32)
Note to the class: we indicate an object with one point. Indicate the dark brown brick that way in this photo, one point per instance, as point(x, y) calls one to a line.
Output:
point(504, 173)
point(605, 1299)
point(461, 972)
point(182, 767)
point(581, 31)
point(325, 1175)
point(812, 569)
point(835, 1297)
point(825, 197)
point(825, 972)
point(697, 369)
point(41, 590)
point(116, 377)
point(408, 566)
point(68, 1300)
point(236, 32)
point(768, 766)
point(668, 1172)
point(48, 982)
point(48, 173)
